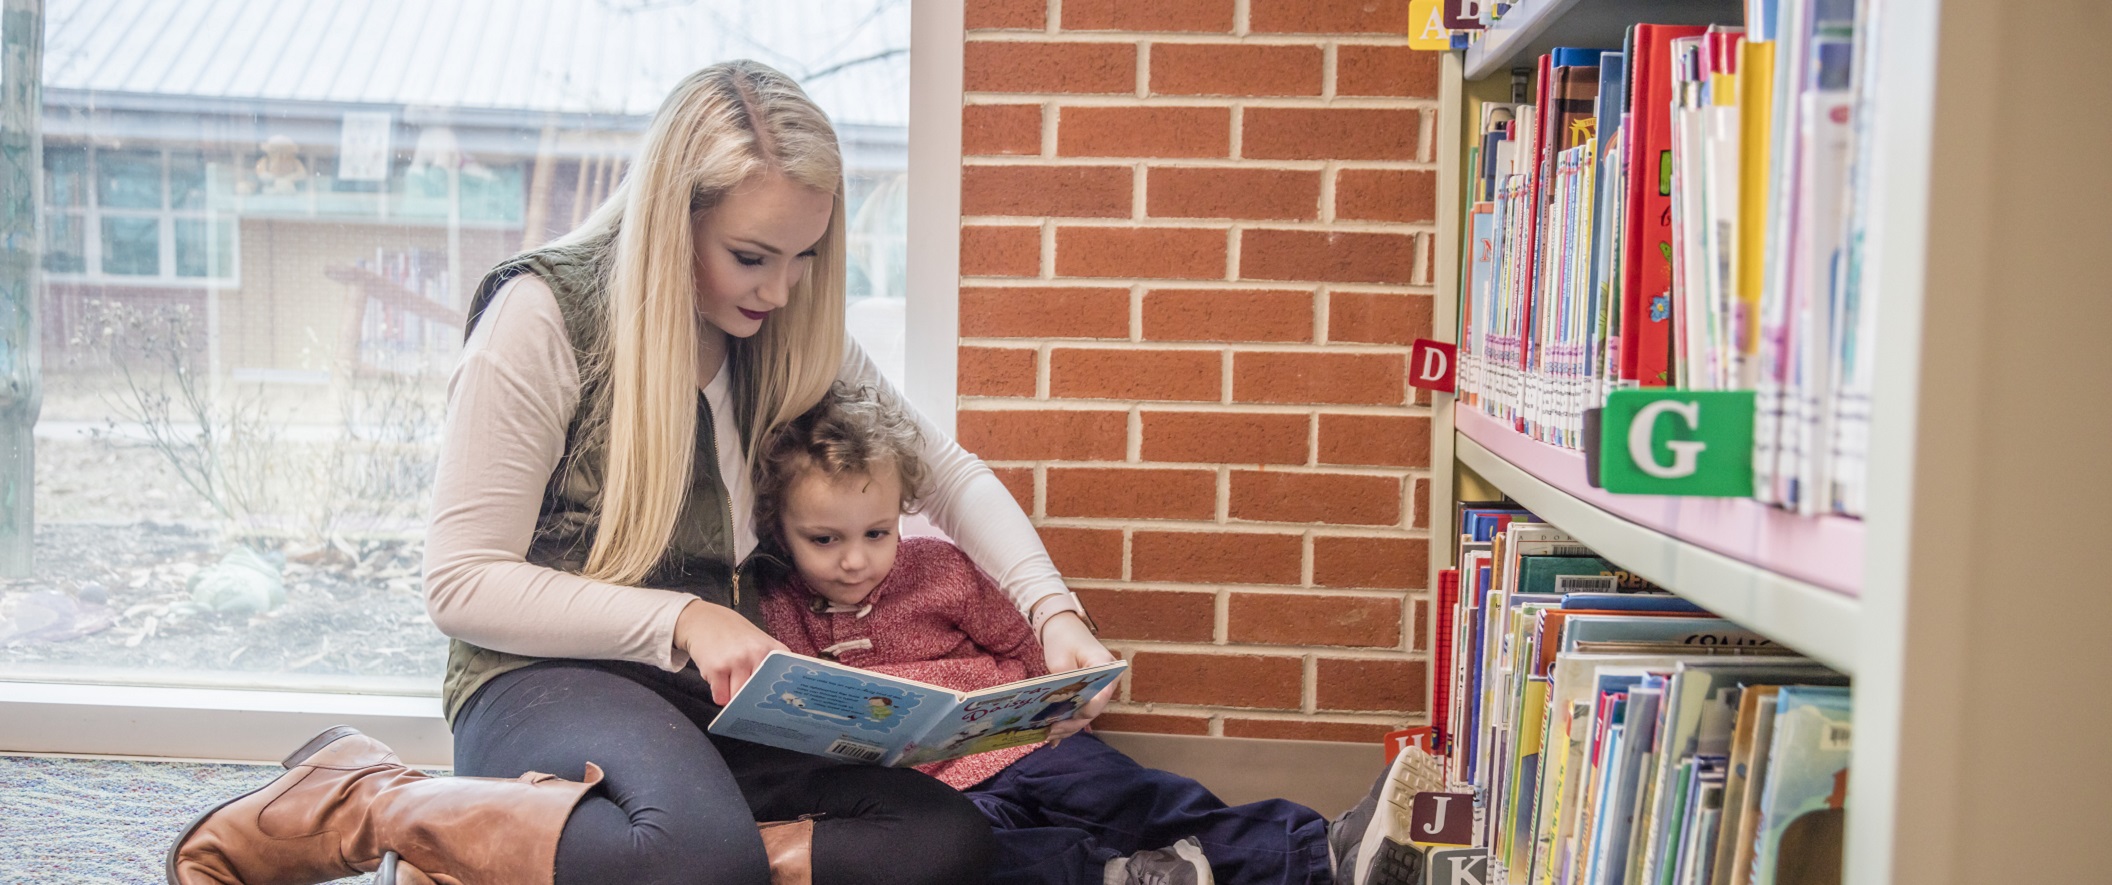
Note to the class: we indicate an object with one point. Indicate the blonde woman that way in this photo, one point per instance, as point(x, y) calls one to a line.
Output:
point(590, 521)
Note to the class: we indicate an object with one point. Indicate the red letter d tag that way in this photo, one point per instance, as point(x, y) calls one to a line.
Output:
point(1430, 365)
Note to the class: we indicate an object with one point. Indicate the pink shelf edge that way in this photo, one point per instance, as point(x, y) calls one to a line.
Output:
point(1825, 551)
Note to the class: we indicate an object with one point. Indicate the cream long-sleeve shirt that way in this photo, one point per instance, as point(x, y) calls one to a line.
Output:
point(509, 403)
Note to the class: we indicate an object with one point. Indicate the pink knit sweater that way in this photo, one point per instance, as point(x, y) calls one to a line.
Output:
point(935, 618)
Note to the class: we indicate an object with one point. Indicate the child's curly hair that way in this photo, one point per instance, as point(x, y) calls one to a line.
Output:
point(852, 431)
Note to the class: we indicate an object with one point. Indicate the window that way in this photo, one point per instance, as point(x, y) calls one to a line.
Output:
point(135, 216)
point(258, 248)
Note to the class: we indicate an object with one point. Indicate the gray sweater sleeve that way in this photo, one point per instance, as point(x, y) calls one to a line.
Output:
point(509, 403)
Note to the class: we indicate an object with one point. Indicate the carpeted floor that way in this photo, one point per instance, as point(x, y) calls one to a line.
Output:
point(91, 822)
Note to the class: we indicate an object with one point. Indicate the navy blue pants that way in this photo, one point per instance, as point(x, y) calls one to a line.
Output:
point(1063, 812)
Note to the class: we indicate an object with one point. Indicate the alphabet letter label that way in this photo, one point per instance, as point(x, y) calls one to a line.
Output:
point(1430, 365)
point(1441, 818)
point(1677, 442)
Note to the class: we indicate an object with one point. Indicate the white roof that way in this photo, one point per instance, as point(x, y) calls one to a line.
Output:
point(615, 57)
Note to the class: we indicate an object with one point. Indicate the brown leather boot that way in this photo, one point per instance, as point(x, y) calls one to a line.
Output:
point(347, 805)
point(790, 845)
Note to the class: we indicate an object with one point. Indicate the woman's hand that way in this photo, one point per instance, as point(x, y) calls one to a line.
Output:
point(1068, 644)
point(725, 647)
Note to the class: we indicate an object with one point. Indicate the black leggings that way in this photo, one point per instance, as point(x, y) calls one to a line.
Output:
point(680, 805)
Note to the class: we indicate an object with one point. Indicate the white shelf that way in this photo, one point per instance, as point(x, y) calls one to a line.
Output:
point(1534, 27)
point(1810, 619)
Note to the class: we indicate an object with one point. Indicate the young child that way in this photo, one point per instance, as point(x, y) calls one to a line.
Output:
point(830, 494)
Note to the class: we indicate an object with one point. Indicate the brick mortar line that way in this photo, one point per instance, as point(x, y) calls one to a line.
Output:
point(1236, 225)
point(1199, 589)
point(1309, 684)
point(1329, 531)
point(1239, 526)
point(1016, 404)
point(1224, 163)
point(1220, 616)
point(1213, 347)
point(1330, 652)
point(1225, 102)
point(1278, 469)
point(1300, 286)
point(1162, 708)
point(1404, 596)
point(1060, 404)
point(1214, 38)
point(1074, 282)
point(1191, 284)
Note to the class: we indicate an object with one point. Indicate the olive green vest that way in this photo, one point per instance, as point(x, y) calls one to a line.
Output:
point(700, 557)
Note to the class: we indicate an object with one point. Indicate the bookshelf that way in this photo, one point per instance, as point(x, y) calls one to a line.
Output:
point(1968, 605)
point(1814, 620)
point(1531, 29)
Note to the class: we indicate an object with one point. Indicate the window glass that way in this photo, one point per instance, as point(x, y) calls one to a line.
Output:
point(65, 177)
point(187, 180)
point(260, 239)
point(64, 243)
point(131, 246)
point(129, 180)
point(204, 248)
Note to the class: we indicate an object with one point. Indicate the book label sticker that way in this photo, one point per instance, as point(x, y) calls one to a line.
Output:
point(1430, 365)
point(1677, 442)
point(1458, 866)
point(1441, 819)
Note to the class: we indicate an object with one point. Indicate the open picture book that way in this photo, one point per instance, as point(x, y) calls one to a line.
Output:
point(829, 709)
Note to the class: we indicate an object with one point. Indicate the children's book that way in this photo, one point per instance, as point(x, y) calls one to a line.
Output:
point(1804, 808)
point(828, 709)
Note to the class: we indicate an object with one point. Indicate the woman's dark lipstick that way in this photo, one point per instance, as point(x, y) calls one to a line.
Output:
point(756, 315)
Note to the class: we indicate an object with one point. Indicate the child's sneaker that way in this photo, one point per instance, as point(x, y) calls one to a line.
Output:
point(1346, 833)
point(1181, 863)
point(1369, 843)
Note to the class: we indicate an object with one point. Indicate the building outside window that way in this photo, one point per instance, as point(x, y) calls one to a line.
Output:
point(261, 224)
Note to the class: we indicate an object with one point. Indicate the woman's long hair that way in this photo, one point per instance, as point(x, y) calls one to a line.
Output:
point(722, 125)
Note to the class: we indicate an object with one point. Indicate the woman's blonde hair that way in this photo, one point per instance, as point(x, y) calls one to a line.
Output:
point(721, 126)
point(854, 431)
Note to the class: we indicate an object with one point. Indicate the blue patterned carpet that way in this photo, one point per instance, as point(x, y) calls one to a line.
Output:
point(90, 822)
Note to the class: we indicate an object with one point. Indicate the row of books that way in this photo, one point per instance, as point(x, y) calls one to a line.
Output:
point(1684, 211)
point(1614, 734)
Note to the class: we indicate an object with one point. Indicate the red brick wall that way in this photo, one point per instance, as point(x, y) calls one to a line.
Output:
point(1196, 243)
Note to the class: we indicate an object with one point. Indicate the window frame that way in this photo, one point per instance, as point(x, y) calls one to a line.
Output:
point(261, 725)
point(91, 214)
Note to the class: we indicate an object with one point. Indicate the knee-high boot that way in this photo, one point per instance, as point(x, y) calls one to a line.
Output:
point(346, 805)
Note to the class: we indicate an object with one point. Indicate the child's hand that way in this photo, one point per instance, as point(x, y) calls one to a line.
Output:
point(723, 645)
point(1067, 644)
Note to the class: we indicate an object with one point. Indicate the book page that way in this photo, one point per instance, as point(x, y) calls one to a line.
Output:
point(1011, 715)
point(829, 709)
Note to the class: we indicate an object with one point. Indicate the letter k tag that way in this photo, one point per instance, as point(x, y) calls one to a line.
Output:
point(1458, 866)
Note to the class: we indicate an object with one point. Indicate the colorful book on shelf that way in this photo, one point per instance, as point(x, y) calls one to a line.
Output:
point(1646, 287)
point(1646, 600)
point(1441, 653)
point(1569, 574)
point(1701, 706)
point(1804, 810)
point(1736, 779)
point(1754, 773)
